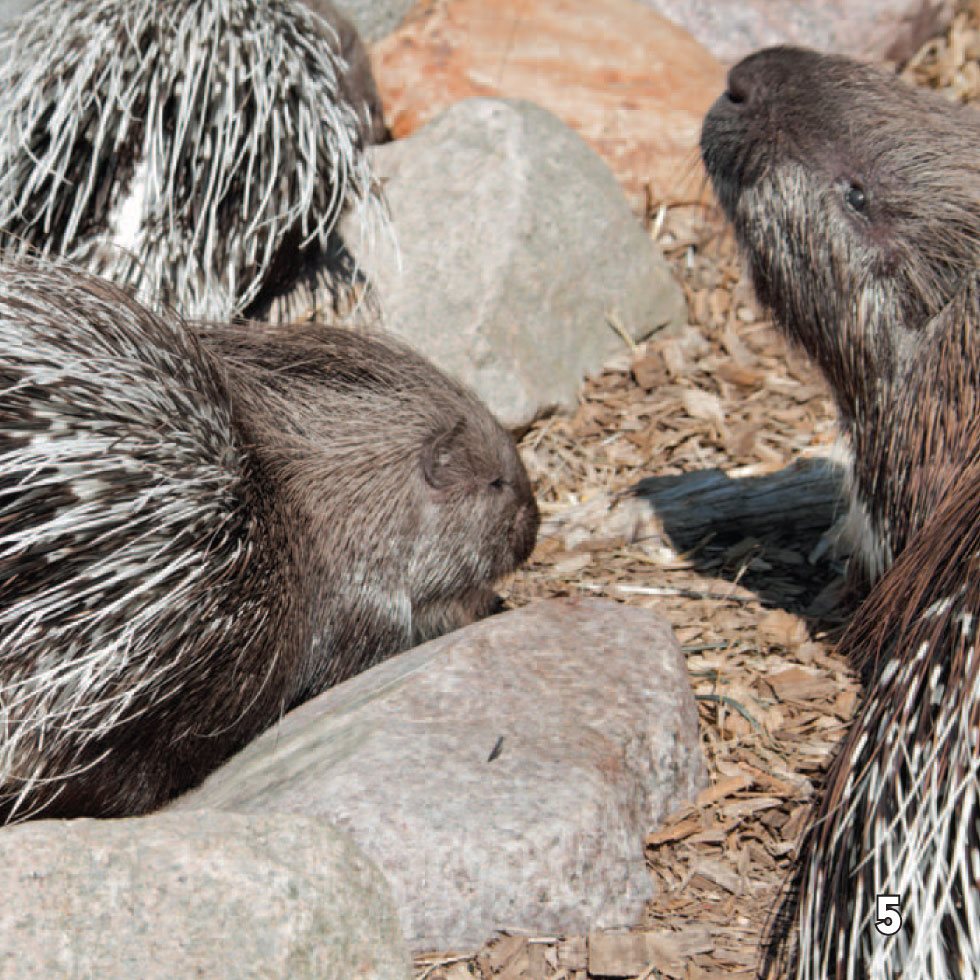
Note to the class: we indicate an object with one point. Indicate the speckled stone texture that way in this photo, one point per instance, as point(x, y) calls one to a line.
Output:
point(502, 776)
point(873, 29)
point(516, 246)
point(375, 19)
point(215, 895)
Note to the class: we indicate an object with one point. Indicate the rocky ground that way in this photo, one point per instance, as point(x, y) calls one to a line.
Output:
point(756, 615)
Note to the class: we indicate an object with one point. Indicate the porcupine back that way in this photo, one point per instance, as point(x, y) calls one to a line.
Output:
point(900, 813)
point(203, 526)
point(133, 545)
point(197, 152)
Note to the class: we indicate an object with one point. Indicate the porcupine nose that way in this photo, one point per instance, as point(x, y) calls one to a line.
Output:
point(763, 72)
point(740, 85)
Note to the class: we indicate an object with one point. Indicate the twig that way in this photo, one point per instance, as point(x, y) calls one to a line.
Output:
point(729, 703)
point(613, 320)
point(658, 590)
point(701, 647)
point(449, 961)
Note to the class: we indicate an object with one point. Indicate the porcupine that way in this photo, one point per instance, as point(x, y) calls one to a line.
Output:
point(201, 528)
point(197, 152)
point(856, 201)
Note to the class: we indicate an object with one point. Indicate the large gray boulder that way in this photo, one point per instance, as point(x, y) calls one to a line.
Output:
point(502, 776)
point(519, 253)
point(194, 894)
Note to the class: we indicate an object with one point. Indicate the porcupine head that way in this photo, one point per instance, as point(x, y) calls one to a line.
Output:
point(190, 545)
point(415, 497)
point(855, 200)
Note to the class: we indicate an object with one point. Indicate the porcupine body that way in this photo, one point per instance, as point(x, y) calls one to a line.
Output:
point(201, 529)
point(197, 152)
point(856, 201)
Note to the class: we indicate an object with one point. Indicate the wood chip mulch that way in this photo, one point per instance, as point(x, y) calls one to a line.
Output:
point(751, 613)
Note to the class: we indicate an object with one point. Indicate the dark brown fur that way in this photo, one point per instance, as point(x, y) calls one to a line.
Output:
point(282, 511)
point(401, 477)
point(357, 85)
point(857, 290)
point(856, 201)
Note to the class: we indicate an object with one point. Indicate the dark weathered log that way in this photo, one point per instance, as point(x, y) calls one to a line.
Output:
point(680, 511)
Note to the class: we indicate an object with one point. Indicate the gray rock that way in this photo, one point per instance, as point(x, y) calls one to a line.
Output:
point(516, 246)
point(375, 19)
point(501, 776)
point(179, 895)
point(730, 29)
point(13, 10)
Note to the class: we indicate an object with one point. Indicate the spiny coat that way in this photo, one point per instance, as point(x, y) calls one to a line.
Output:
point(856, 201)
point(200, 529)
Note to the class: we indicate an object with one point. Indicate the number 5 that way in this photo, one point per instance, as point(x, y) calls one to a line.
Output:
point(888, 918)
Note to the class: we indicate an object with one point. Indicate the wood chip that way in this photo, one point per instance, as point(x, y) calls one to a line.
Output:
point(723, 788)
point(797, 684)
point(619, 954)
point(573, 953)
point(703, 405)
point(674, 832)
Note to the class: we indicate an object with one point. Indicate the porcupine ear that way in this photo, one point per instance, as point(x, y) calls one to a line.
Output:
point(445, 462)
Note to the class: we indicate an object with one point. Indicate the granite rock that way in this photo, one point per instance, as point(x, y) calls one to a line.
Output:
point(502, 776)
point(194, 894)
point(518, 256)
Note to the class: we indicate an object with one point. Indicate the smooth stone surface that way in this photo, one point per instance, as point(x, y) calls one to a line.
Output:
point(516, 248)
point(502, 776)
point(194, 894)
point(631, 83)
point(13, 10)
point(375, 19)
point(872, 29)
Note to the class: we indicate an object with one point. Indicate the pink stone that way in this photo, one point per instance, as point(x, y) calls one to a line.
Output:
point(634, 85)
point(873, 29)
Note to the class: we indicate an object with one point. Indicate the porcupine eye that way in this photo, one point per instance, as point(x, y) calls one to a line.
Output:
point(498, 484)
point(856, 199)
